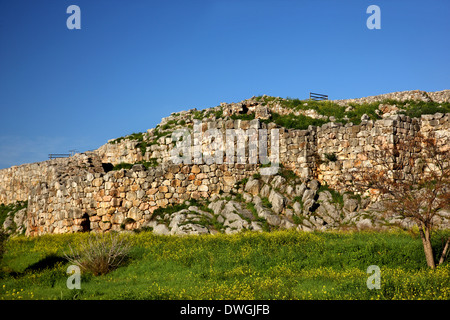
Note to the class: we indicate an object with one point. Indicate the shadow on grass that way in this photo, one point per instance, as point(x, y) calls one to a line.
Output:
point(48, 262)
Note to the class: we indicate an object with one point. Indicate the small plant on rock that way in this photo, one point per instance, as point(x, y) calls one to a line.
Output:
point(330, 157)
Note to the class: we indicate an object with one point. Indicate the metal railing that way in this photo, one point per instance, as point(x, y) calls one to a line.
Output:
point(317, 96)
point(58, 155)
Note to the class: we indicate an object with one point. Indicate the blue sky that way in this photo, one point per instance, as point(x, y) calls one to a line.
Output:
point(134, 62)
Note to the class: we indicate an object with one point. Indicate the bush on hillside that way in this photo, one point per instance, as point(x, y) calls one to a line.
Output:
point(100, 253)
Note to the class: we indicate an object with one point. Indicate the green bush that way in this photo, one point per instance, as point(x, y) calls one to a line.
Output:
point(134, 136)
point(415, 109)
point(288, 174)
point(330, 157)
point(292, 121)
point(123, 165)
point(359, 110)
point(143, 147)
point(257, 176)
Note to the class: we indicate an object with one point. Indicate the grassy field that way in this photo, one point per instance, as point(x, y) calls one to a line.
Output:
point(270, 265)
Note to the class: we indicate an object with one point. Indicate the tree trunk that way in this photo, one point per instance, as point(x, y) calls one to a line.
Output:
point(444, 252)
point(428, 249)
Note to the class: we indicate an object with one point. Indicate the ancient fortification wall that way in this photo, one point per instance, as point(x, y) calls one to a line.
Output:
point(80, 193)
point(17, 182)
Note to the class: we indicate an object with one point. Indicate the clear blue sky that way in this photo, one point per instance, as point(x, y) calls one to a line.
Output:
point(134, 62)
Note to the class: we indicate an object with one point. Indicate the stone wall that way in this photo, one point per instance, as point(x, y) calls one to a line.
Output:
point(105, 201)
point(17, 182)
point(81, 193)
point(303, 151)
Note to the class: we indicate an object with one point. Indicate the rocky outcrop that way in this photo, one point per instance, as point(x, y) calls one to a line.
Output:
point(417, 95)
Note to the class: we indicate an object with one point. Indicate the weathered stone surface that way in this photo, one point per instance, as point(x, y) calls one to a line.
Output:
point(252, 186)
point(300, 189)
point(161, 229)
point(308, 195)
point(350, 205)
point(297, 208)
point(277, 201)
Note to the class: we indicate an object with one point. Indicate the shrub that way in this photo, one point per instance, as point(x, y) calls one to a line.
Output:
point(291, 121)
point(330, 157)
point(100, 253)
point(147, 164)
point(288, 174)
point(242, 182)
point(415, 109)
point(3, 238)
point(123, 165)
point(257, 176)
point(218, 113)
point(134, 136)
point(143, 147)
point(297, 219)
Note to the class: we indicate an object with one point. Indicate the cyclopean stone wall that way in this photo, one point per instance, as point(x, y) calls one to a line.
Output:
point(102, 201)
point(17, 182)
point(81, 193)
point(304, 151)
point(105, 201)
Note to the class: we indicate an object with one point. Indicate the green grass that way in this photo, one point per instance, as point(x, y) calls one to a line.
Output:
point(147, 164)
point(123, 165)
point(269, 265)
point(413, 109)
point(417, 108)
point(335, 195)
point(287, 174)
point(134, 136)
point(265, 202)
point(249, 265)
point(292, 121)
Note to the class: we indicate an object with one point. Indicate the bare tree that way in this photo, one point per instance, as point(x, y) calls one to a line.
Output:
point(410, 178)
